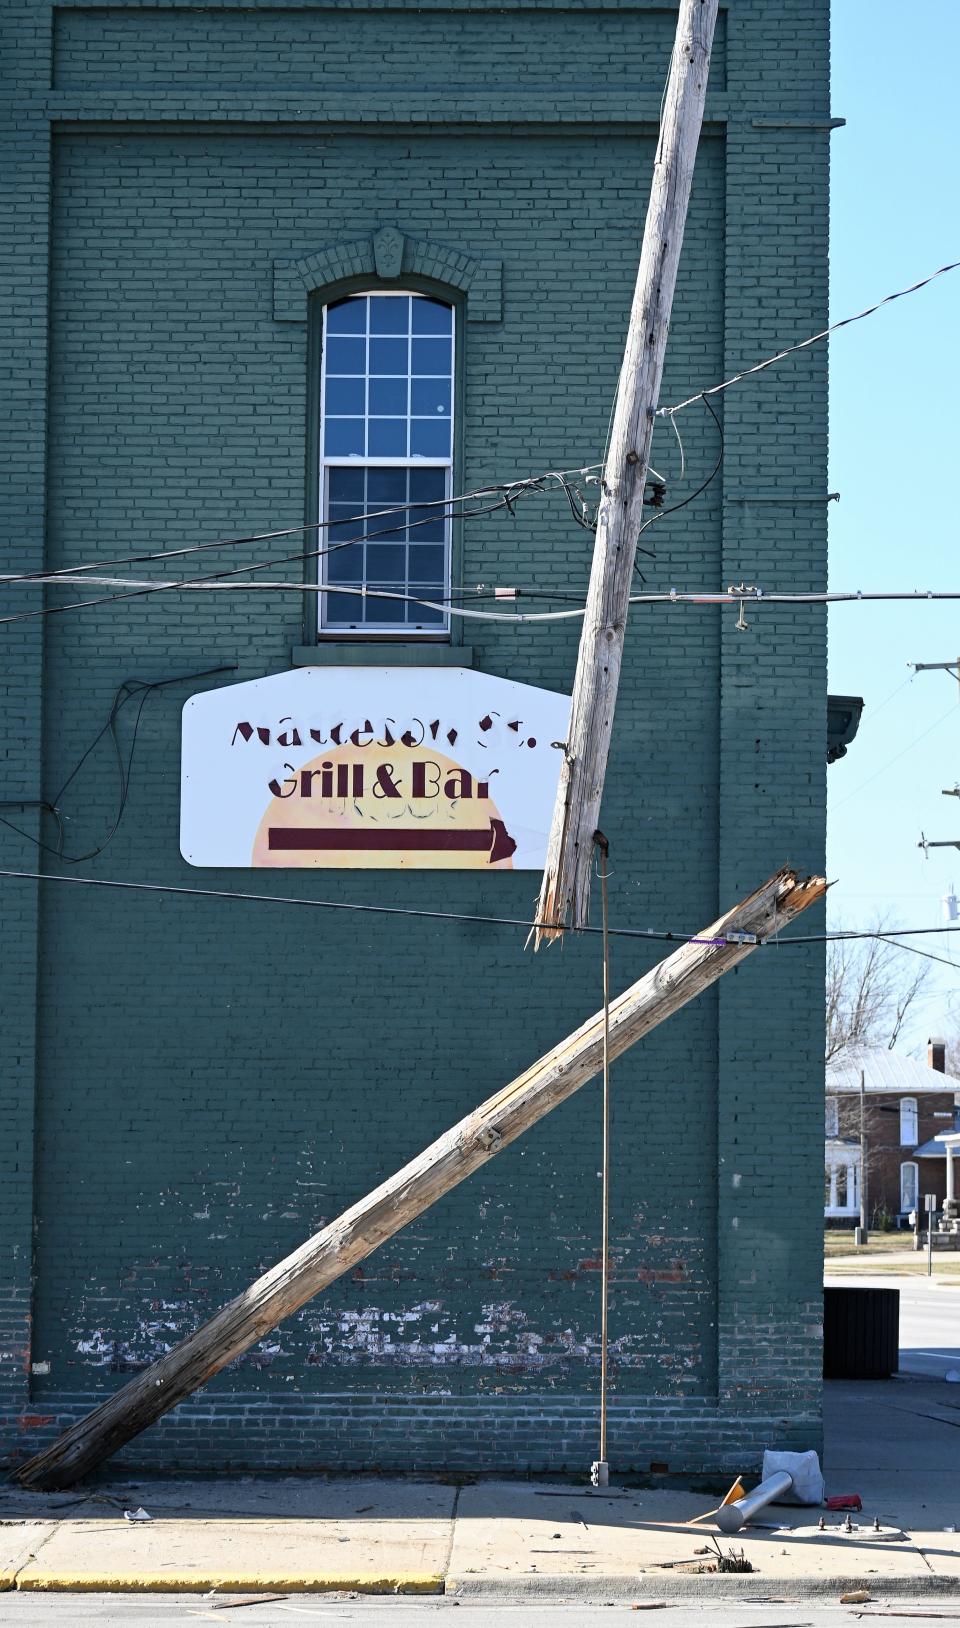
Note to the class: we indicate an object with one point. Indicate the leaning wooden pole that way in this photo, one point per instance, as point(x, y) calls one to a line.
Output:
point(565, 890)
point(446, 1162)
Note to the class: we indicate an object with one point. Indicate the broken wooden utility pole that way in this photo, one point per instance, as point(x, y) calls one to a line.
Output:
point(476, 1139)
point(565, 891)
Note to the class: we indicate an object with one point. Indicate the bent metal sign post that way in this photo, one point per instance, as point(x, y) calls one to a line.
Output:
point(371, 768)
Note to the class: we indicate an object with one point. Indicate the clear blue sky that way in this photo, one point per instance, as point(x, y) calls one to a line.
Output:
point(894, 426)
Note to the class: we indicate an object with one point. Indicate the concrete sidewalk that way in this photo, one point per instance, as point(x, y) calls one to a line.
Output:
point(894, 1443)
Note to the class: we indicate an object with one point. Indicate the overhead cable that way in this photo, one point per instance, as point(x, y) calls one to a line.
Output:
point(778, 356)
point(506, 491)
point(339, 904)
point(127, 691)
point(778, 941)
point(731, 596)
point(661, 514)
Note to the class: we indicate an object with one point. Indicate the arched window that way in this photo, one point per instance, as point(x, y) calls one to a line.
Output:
point(909, 1187)
point(386, 444)
point(908, 1122)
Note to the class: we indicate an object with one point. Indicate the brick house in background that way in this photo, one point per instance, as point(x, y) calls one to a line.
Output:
point(908, 1105)
point(281, 263)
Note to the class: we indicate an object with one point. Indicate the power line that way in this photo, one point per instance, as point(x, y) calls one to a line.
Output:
point(950, 713)
point(508, 492)
point(339, 904)
point(661, 514)
point(130, 688)
point(778, 356)
point(885, 702)
point(944, 962)
point(853, 933)
point(654, 935)
point(215, 578)
point(740, 595)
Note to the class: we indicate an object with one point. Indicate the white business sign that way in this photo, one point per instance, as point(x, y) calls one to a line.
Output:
point(371, 768)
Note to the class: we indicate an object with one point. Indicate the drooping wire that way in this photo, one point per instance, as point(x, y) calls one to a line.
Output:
point(950, 713)
point(914, 950)
point(362, 909)
point(213, 577)
point(661, 514)
point(700, 598)
point(509, 490)
point(127, 691)
point(636, 933)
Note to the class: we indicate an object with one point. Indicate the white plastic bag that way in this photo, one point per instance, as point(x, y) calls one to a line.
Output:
point(805, 1469)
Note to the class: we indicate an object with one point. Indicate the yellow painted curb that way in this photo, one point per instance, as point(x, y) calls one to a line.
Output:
point(169, 1582)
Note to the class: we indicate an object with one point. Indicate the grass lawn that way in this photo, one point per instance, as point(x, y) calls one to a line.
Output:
point(946, 1267)
point(836, 1242)
point(888, 1254)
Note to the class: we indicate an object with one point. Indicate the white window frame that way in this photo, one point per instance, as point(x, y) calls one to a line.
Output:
point(909, 1114)
point(831, 1117)
point(387, 630)
point(914, 1203)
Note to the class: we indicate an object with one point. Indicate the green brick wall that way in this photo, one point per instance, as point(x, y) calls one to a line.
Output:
point(195, 1085)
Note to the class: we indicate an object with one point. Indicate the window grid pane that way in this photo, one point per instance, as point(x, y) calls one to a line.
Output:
point(393, 552)
point(402, 365)
point(394, 354)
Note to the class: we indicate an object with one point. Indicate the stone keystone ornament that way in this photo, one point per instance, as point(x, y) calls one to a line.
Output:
point(388, 251)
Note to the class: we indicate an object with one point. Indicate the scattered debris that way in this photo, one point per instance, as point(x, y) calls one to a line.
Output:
point(738, 1490)
point(732, 1562)
point(137, 1514)
point(671, 1565)
point(856, 1596)
point(247, 1599)
point(845, 1500)
point(649, 1605)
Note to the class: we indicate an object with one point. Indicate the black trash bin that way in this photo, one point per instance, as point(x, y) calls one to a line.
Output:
point(861, 1333)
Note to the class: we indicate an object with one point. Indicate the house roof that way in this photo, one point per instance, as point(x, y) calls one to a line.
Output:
point(929, 1150)
point(886, 1071)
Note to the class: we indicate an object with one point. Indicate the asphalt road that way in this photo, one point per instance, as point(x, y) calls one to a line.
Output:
point(154, 1611)
point(929, 1321)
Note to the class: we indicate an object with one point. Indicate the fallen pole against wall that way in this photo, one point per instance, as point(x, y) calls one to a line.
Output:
point(412, 1190)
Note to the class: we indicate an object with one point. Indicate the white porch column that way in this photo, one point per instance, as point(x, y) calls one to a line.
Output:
point(949, 1153)
point(833, 1187)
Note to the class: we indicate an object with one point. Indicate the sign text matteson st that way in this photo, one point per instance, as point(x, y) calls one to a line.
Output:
point(371, 768)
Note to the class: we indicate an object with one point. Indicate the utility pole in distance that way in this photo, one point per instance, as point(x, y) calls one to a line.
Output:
point(940, 667)
point(566, 878)
point(864, 1154)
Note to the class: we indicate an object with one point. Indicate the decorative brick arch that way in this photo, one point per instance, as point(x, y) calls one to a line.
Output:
point(389, 253)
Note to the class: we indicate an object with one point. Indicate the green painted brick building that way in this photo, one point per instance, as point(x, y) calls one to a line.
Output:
point(190, 1086)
